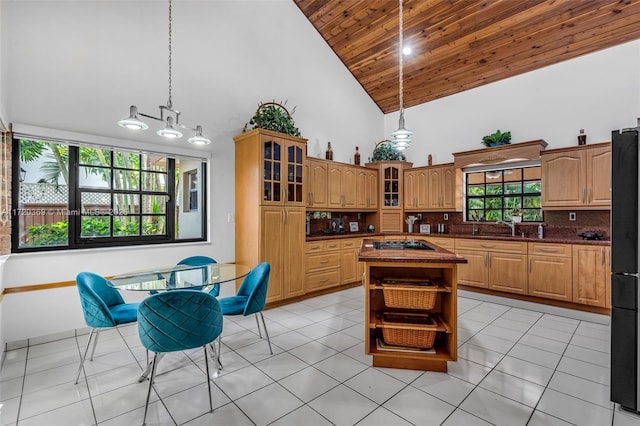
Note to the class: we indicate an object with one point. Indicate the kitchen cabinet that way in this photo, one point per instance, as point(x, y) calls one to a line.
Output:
point(415, 189)
point(350, 267)
point(550, 271)
point(366, 189)
point(390, 211)
point(577, 178)
point(270, 208)
point(591, 275)
point(494, 265)
point(317, 176)
point(341, 187)
point(442, 187)
point(322, 265)
point(444, 242)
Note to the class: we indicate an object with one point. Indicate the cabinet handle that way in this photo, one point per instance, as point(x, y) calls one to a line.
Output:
point(602, 256)
point(313, 201)
point(333, 246)
point(315, 247)
point(286, 216)
point(584, 194)
point(590, 196)
point(325, 280)
point(486, 263)
point(324, 261)
point(489, 256)
point(487, 245)
point(530, 260)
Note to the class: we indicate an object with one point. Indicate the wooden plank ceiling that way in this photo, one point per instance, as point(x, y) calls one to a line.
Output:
point(462, 44)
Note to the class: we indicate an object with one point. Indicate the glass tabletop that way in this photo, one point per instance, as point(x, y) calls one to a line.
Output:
point(179, 277)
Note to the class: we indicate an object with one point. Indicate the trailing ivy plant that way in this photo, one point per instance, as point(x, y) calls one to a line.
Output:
point(273, 116)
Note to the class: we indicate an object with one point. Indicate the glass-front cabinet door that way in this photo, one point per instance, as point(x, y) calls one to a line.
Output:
point(391, 186)
point(283, 171)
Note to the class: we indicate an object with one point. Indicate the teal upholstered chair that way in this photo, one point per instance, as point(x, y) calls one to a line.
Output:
point(201, 261)
point(103, 307)
point(176, 321)
point(250, 298)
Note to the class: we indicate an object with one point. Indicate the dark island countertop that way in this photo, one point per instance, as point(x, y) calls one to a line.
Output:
point(368, 253)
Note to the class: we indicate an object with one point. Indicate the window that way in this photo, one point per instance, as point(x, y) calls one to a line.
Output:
point(72, 196)
point(501, 194)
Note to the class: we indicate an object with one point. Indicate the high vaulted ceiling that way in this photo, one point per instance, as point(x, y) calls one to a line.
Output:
point(462, 44)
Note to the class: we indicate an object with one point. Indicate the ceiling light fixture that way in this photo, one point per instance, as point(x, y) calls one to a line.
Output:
point(168, 115)
point(401, 138)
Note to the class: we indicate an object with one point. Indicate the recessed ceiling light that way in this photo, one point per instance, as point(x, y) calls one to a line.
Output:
point(406, 50)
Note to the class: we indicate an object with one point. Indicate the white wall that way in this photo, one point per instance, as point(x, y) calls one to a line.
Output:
point(599, 92)
point(90, 60)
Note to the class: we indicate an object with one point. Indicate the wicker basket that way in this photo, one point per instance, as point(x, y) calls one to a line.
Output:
point(408, 295)
point(408, 337)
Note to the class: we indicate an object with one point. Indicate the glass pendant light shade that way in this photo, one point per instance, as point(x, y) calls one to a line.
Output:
point(133, 122)
point(402, 136)
point(198, 139)
point(169, 131)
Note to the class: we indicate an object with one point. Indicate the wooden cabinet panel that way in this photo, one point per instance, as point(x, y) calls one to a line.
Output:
point(272, 250)
point(349, 187)
point(317, 183)
point(578, 177)
point(415, 189)
point(550, 249)
point(491, 245)
point(450, 185)
point(366, 189)
point(599, 176)
point(508, 272)
point(323, 279)
point(550, 277)
point(444, 242)
point(473, 273)
point(316, 262)
point(351, 268)
point(341, 187)
point(590, 275)
point(294, 247)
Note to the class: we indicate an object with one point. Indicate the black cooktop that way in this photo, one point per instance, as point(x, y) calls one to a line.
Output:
point(401, 245)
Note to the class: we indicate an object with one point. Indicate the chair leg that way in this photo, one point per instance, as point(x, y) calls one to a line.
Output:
point(95, 343)
point(266, 332)
point(258, 324)
point(216, 357)
point(206, 363)
point(153, 373)
point(219, 352)
point(84, 356)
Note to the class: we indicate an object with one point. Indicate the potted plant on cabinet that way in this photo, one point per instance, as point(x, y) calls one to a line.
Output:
point(497, 138)
point(273, 116)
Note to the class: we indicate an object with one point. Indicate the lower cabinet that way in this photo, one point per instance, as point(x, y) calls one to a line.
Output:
point(495, 265)
point(591, 275)
point(550, 273)
point(322, 265)
point(351, 269)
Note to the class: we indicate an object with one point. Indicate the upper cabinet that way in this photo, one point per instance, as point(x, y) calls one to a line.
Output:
point(366, 189)
point(342, 186)
point(391, 209)
point(431, 188)
point(577, 178)
point(281, 166)
point(317, 181)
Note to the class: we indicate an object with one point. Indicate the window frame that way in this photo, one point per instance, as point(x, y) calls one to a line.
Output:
point(503, 194)
point(74, 202)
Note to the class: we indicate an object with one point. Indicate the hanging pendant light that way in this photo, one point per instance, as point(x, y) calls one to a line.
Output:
point(168, 115)
point(401, 138)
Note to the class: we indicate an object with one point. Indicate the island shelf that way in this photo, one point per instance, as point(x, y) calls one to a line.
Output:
point(410, 306)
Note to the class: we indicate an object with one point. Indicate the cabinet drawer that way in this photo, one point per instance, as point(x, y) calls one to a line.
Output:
point(320, 280)
point(445, 243)
point(550, 249)
point(332, 245)
point(319, 262)
point(352, 243)
point(316, 246)
point(492, 245)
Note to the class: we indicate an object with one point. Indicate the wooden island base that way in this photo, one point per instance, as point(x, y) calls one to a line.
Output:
point(410, 307)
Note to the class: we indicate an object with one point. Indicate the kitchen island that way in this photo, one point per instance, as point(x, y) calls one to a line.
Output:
point(410, 304)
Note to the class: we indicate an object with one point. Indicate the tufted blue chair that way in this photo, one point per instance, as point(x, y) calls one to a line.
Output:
point(250, 298)
point(176, 321)
point(201, 261)
point(103, 307)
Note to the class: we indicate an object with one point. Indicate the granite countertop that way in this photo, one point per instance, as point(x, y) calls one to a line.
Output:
point(503, 237)
point(439, 255)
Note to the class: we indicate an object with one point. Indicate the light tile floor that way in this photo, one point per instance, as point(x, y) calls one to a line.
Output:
point(516, 366)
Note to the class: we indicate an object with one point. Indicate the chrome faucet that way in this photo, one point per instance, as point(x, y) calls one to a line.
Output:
point(511, 225)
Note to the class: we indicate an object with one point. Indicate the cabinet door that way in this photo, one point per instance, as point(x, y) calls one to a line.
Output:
point(589, 275)
point(410, 190)
point(598, 168)
point(473, 273)
point(317, 183)
point(349, 266)
point(550, 277)
point(366, 189)
point(372, 188)
point(563, 179)
point(435, 189)
point(349, 187)
point(448, 194)
point(391, 187)
point(335, 173)
point(272, 249)
point(282, 171)
point(293, 252)
point(508, 272)
point(293, 175)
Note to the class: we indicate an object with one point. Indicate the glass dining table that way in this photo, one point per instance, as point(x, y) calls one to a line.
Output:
point(179, 277)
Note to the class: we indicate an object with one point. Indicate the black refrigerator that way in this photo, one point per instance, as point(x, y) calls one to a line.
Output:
point(625, 344)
